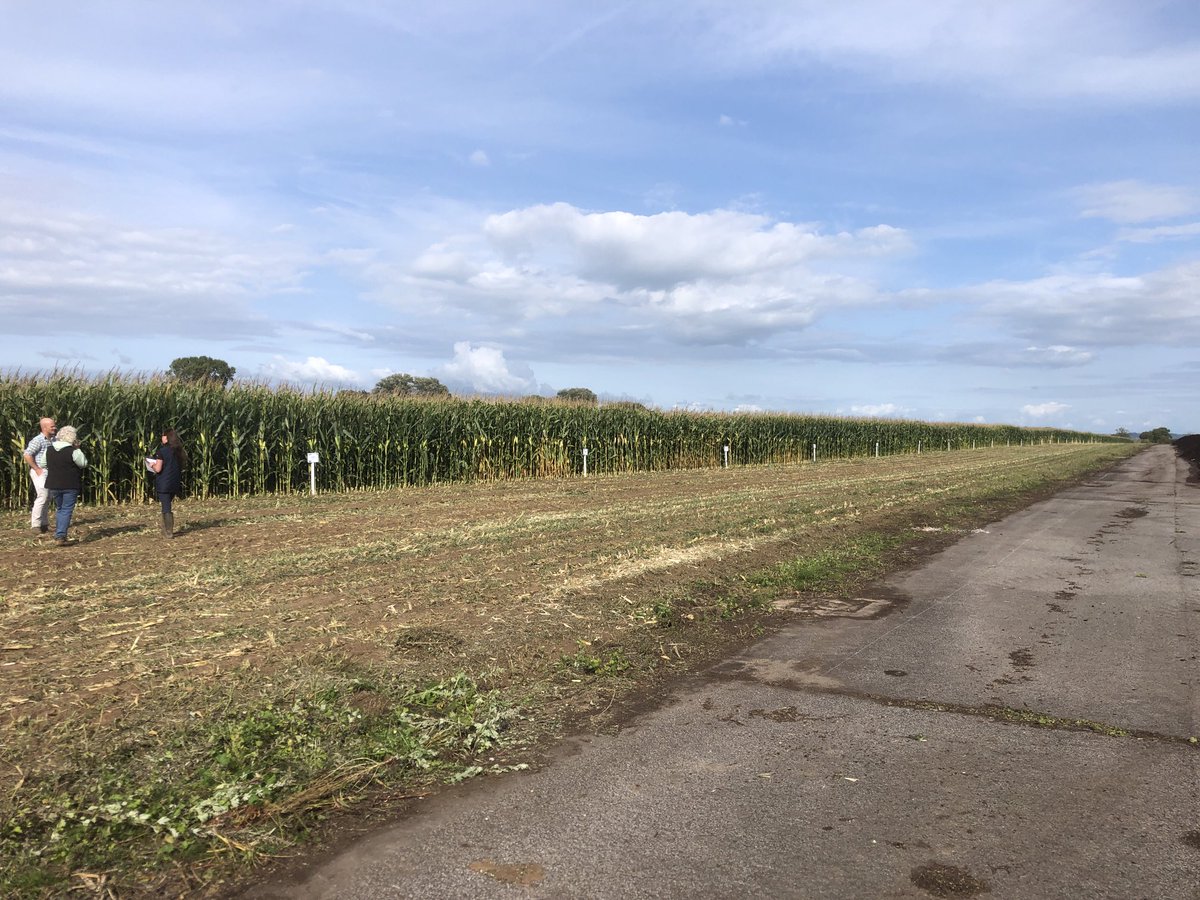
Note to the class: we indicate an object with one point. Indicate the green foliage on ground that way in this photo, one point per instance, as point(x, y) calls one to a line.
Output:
point(227, 781)
point(827, 570)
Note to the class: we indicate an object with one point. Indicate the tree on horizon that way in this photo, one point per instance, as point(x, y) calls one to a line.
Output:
point(578, 395)
point(202, 368)
point(402, 384)
point(1161, 435)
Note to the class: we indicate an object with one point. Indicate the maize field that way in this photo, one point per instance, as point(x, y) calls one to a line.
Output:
point(253, 439)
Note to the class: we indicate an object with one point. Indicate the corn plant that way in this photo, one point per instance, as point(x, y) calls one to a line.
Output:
point(252, 438)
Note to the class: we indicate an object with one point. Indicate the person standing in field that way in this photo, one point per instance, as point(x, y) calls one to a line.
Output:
point(167, 466)
point(65, 463)
point(35, 456)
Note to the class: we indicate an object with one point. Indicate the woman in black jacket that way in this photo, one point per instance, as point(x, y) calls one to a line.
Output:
point(65, 463)
point(167, 467)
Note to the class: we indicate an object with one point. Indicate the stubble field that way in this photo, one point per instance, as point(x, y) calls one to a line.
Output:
point(172, 710)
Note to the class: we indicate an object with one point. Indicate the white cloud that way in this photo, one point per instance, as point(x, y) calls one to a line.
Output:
point(206, 88)
point(1042, 410)
point(1127, 202)
point(716, 277)
point(1158, 308)
point(1031, 48)
point(484, 370)
point(1056, 355)
point(1159, 233)
point(480, 158)
point(79, 273)
point(314, 370)
point(355, 335)
point(878, 410)
point(66, 357)
point(667, 248)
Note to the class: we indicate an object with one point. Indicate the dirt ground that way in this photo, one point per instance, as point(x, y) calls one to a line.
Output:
point(531, 587)
point(1188, 447)
point(490, 576)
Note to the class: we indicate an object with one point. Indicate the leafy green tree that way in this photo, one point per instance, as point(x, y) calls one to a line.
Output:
point(404, 385)
point(577, 395)
point(1156, 436)
point(202, 368)
point(1123, 433)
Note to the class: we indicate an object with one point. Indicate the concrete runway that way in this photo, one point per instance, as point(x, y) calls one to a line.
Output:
point(1010, 719)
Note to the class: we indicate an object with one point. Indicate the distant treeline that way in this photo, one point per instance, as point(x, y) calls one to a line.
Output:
point(253, 439)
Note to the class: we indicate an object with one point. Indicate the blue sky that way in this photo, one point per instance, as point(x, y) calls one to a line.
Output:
point(936, 209)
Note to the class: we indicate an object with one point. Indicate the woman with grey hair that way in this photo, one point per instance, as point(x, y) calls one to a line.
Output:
point(65, 463)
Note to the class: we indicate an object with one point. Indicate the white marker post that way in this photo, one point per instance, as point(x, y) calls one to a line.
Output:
point(814, 452)
point(585, 462)
point(726, 456)
point(918, 448)
point(877, 449)
point(313, 459)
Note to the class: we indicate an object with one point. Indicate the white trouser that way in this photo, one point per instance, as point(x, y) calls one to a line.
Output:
point(41, 500)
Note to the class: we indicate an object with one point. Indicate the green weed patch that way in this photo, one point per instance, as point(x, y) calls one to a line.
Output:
point(225, 784)
point(829, 570)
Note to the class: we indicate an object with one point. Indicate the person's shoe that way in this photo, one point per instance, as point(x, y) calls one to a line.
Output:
point(62, 542)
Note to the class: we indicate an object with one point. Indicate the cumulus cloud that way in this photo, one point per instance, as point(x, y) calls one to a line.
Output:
point(1129, 202)
point(484, 370)
point(1042, 410)
point(481, 159)
point(314, 370)
point(717, 277)
point(669, 248)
